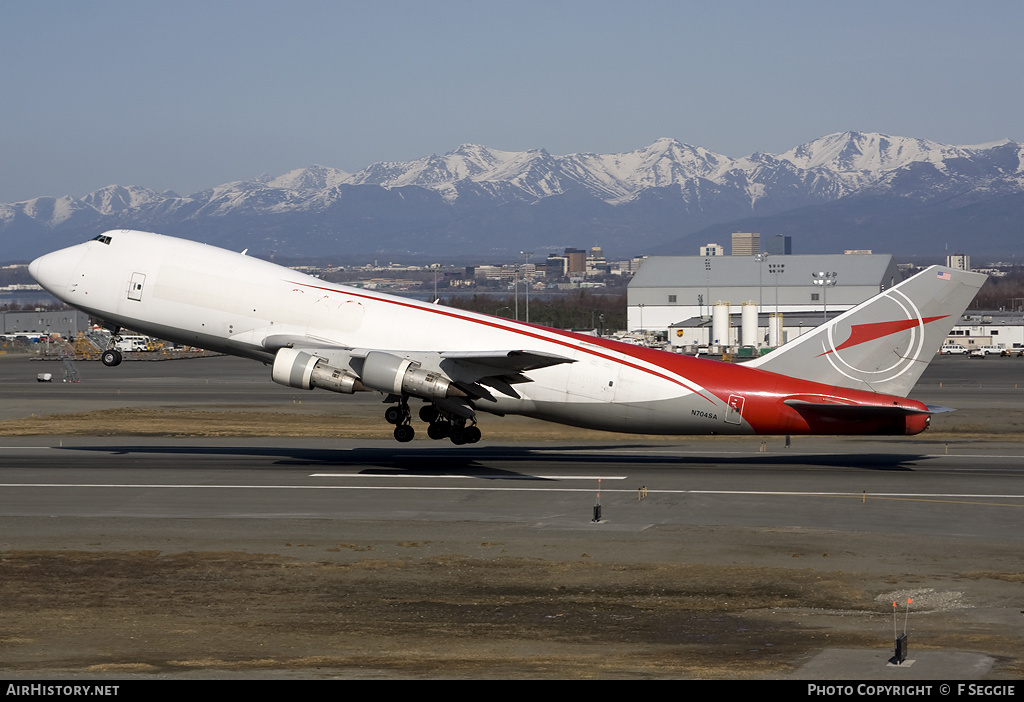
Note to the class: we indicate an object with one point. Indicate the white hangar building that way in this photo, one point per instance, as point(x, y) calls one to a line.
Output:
point(669, 290)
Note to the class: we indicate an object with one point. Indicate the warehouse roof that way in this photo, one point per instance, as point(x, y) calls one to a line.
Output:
point(690, 271)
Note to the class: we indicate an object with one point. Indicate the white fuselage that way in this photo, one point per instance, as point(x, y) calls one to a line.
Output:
point(224, 301)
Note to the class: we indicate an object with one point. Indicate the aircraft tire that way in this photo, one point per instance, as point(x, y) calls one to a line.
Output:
point(111, 357)
point(394, 415)
point(438, 430)
point(472, 434)
point(458, 436)
point(429, 414)
point(404, 433)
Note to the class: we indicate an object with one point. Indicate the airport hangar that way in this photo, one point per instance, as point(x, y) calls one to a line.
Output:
point(681, 296)
point(65, 322)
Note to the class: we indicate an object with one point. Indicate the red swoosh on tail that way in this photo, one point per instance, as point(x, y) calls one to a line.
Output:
point(862, 333)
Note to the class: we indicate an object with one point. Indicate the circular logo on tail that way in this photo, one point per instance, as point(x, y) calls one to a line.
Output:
point(881, 343)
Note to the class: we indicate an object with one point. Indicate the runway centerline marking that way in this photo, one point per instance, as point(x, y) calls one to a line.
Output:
point(462, 476)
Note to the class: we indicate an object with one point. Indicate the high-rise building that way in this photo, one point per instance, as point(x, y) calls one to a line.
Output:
point(577, 261)
point(556, 266)
point(779, 245)
point(746, 243)
point(959, 261)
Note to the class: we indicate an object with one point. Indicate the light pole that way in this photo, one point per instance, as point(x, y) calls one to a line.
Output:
point(825, 280)
point(775, 327)
point(760, 258)
point(517, 291)
point(775, 269)
point(526, 271)
point(435, 266)
point(707, 280)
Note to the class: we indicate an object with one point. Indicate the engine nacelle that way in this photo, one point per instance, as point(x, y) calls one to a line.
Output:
point(301, 369)
point(389, 373)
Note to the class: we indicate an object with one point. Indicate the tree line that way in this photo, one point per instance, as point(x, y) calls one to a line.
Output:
point(1005, 293)
point(577, 309)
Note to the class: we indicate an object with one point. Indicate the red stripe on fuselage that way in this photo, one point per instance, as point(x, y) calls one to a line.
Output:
point(763, 390)
point(636, 352)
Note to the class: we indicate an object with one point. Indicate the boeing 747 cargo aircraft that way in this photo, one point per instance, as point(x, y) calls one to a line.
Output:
point(849, 376)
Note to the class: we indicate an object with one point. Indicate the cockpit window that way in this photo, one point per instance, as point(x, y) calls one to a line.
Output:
point(102, 238)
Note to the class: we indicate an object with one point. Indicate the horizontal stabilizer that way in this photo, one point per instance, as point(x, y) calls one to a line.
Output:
point(834, 410)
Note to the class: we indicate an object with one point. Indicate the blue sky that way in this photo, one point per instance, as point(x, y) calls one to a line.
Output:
point(185, 95)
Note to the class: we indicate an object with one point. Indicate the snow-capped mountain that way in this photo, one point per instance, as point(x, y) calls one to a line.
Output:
point(313, 178)
point(115, 198)
point(478, 200)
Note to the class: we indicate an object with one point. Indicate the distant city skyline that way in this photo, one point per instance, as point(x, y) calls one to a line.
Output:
point(188, 95)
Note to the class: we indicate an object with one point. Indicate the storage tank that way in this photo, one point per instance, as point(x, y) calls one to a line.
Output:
point(749, 337)
point(720, 324)
point(775, 329)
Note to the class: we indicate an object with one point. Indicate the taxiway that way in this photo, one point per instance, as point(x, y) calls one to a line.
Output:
point(713, 557)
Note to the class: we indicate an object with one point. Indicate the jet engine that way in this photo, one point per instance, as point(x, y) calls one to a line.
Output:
point(301, 369)
point(401, 376)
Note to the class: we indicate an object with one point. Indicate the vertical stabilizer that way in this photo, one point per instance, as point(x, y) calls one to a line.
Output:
point(883, 344)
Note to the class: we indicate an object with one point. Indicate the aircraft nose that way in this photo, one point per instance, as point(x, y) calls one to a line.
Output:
point(53, 271)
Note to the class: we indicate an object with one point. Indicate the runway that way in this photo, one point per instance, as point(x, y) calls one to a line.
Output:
point(713, 557)
point(870, 486)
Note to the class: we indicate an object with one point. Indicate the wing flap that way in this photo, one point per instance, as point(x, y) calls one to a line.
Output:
point(498, 370)
point(275, 342)
point(506, 363)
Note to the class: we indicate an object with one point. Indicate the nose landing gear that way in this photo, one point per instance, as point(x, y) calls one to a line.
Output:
point(111, 357)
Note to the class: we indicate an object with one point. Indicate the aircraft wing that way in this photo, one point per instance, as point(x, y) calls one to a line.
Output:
point(508, 362)
point(469, 370)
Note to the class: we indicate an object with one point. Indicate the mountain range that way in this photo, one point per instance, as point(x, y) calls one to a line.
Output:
point(849, 190)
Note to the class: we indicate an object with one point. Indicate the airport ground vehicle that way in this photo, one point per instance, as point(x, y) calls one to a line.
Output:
point(132, 343)
point(991, 350)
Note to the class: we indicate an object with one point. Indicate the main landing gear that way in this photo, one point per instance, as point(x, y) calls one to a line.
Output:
point(440, 425)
